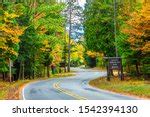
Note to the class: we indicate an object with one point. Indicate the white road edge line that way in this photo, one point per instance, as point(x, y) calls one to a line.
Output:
point(23, 94)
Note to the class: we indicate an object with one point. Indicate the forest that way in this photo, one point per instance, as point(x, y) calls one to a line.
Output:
point(33, 37)
point(120, 28)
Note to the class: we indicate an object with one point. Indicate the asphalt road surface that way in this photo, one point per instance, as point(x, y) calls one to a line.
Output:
point(70, 88)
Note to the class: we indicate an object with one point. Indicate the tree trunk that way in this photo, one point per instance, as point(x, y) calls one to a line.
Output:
point(137, 69)
point(4, 74)
point(129, 70)
point(48, 74)
point(111, 72)
point(33, 74)
point(65, 69)
point(20, 69)
point(23, 71)
point(69, 42)
point(44, 72)
point(10, 71)
point(108, 73)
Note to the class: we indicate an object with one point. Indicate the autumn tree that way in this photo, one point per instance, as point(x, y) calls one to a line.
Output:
point(36, 47)
point(138, 30)
point(77, 54)
point(44, 31)
point(9, 36)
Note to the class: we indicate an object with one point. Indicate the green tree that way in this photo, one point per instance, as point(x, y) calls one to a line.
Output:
point(44, 31)
point(99, 27)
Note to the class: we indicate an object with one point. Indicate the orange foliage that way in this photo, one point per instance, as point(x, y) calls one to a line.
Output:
point(139, 29)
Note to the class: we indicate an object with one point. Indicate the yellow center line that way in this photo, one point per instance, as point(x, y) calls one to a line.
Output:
point(78, 97)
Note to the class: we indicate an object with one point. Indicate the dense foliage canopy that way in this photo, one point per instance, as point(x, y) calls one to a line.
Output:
point(132, 34)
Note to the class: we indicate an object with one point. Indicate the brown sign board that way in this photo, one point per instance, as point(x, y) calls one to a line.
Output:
point(115, 63)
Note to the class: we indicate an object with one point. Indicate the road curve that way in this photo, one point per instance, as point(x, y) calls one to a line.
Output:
point(70, 88)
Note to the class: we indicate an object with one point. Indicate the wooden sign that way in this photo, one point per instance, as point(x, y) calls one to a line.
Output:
point(114, 63)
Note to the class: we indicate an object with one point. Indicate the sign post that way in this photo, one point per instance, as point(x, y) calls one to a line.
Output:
point(10, 70)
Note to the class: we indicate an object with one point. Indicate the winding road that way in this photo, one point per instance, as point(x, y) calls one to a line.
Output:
point(70, 88)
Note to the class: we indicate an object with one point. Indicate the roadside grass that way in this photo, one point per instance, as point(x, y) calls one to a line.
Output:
point(60, 75)
point(11, 91)
point(130, 86)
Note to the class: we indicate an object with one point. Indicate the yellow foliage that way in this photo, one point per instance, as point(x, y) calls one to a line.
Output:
point(8, 16)
point(78, 52)
point(9, 34)
point(46, 43)
point(57, 54)
point(92, 54)
point(4, 47)
point(45, 46)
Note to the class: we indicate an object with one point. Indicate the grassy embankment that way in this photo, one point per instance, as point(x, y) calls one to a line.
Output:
point(10, 91)
point(130, 86)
